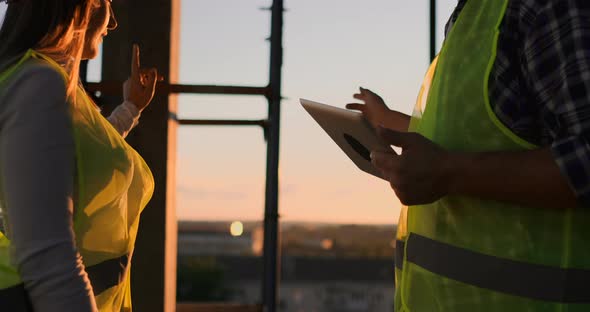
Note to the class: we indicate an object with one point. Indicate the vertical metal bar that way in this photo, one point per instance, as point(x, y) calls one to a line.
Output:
point(271, 216)
point(432, 29)
point(84, 72)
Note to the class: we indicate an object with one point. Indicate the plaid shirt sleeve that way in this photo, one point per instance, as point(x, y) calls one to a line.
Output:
point(556, 64)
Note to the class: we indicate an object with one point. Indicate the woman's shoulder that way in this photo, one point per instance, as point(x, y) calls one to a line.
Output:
point(31, 81)
point(33, 70)
point(31, 75)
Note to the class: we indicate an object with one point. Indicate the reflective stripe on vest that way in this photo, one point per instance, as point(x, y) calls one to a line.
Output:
point(107, 274)
point(508, 276)
point(15, 299)
point(102, 276)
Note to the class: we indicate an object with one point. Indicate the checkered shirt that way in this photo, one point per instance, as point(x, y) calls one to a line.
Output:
point(540, 83)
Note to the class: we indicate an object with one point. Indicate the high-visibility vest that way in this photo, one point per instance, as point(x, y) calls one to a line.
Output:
point(113, 185)
point(470, 254)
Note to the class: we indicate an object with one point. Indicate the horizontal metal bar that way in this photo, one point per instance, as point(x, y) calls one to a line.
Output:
point(115, 88)
point(218, 122)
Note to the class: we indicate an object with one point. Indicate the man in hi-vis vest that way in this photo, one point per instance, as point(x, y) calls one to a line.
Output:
point(495, 163)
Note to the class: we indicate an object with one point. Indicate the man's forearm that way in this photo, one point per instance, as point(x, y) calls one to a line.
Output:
point(529, 178)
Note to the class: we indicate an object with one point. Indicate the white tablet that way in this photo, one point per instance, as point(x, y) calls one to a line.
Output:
point(353, 134)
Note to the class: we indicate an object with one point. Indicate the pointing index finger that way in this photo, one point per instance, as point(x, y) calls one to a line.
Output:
point(135, 63)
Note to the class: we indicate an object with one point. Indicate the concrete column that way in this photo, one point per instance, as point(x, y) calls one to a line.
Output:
point(153, 24)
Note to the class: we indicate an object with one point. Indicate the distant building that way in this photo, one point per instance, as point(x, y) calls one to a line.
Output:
point(196, 239)
point(315, 275)
point(314, 284)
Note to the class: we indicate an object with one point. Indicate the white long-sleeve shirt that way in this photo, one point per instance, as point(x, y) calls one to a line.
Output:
point(124, 118)
point(37, 167)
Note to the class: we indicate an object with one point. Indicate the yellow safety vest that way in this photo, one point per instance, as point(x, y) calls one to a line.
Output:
point(114, 184)
point(469, 254)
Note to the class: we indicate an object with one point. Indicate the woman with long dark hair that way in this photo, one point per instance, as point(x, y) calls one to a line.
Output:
point(71, 189)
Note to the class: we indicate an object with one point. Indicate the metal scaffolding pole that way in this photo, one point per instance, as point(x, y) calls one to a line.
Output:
point(271, 225)
point(271, 126)
point(432, 29)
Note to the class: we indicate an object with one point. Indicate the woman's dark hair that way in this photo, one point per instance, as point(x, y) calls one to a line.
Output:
point(27, 22)
point(56, 28)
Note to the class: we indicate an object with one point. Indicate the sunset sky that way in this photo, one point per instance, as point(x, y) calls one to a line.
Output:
point(331, 47)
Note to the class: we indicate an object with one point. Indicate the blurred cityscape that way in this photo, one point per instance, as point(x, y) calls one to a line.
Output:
point(324, 267)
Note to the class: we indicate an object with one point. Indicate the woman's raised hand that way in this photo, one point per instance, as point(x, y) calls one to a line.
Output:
point(140, 88)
